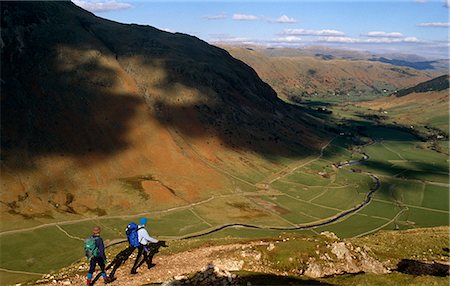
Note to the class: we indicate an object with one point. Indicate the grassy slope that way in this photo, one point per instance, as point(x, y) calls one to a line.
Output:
point(427, 108)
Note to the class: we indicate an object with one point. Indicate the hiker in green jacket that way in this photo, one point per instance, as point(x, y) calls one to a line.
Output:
point(95, 252)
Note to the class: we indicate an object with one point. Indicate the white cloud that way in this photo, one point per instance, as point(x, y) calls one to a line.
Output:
point(304, 32)
point(338, 40)
point(167, 30)
point(376, 40)
point(393, 40)
point(215, 17)
point(286, 19)
point(289, 39)
point(385, 34)
point(244, 17)
point(411, 40)
point(101, 6)
point(435, 24)
point(421, 1)
point(227, 38)
point(447, 3)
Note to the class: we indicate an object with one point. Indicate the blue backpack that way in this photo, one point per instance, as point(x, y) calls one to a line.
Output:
point(132, 235)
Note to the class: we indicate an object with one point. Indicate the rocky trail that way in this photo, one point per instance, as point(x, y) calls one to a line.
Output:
point(167, 267)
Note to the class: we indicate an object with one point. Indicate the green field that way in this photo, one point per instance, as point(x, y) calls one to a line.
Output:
point(354, 225)
point(436, 197)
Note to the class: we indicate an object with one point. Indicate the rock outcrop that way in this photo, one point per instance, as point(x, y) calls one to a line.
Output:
point(344, 258)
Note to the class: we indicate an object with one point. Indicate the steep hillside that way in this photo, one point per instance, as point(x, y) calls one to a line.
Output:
point(425, 104)
point(435, 84)
point(295, 76)
point(102, 118)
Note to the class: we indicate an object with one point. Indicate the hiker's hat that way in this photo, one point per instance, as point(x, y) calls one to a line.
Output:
point(143, 221)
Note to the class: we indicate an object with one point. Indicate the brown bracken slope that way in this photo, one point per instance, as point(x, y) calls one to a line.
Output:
point(99, 117)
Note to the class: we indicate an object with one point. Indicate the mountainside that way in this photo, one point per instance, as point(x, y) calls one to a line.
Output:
point(435, 84)
point(424, 104)
point(295, 75)
point(103, 118)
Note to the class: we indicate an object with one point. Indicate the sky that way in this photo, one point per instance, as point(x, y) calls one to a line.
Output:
point(403, 26)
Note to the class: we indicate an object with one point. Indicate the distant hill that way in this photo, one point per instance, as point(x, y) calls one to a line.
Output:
point(397, 59)
point(421, 65)
point(424, 104)
point(435, 84)
point(104, 118)
point(297, 73)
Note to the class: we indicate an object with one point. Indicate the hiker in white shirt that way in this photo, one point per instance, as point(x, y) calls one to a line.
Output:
point(144, 238)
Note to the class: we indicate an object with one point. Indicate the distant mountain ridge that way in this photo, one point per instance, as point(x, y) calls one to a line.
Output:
point(421, 65)
point(298, 73)
point(397, 59)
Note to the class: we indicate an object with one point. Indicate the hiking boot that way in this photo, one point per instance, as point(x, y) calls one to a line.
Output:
point(88, 282)
point(106, 280)
point(151, 265)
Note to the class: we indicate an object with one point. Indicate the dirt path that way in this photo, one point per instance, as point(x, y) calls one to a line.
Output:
point(169, 266)
point(384, 225)
point(21, 272)
point(67, 234)
point(289, 170)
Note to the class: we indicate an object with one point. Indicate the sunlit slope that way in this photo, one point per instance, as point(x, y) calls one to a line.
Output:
point(102, 118)
point(293, 75)
point(425, 104)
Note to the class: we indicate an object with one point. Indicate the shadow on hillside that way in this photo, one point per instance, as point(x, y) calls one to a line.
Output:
point(381, 131)
point(272, 279)
point(73, 107)
point(215, 276)
point(72, 120)
point(316, 103)
point(414, 267)
point(413, 167)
